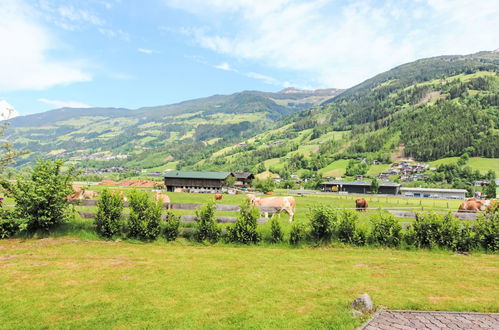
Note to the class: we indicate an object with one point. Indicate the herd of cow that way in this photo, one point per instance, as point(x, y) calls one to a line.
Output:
point(282, 204)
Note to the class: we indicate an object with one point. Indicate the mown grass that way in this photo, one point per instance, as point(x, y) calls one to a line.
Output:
point(71, 283)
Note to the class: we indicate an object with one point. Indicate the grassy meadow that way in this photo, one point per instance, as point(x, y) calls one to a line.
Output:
point(73, 283)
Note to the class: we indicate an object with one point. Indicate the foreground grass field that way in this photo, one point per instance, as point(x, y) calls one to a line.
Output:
point(70, 283)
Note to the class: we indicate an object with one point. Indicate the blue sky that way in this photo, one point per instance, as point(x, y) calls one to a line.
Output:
point(120, 53)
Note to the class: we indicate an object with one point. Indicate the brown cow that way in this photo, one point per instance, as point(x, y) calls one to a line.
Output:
point(286, 204)
point(218, 197)
point(163, 198)
point(361, 205)
point(472, 205)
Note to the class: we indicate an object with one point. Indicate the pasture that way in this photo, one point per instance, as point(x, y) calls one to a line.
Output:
point(73, 283)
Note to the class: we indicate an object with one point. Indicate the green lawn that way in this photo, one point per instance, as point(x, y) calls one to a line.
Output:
point(70, 283)
point(335, 169)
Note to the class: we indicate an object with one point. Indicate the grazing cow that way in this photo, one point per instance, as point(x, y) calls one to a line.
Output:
point(83, 194)
point(286, 204)
point(473, 205)
point(218, 197)
point(361, 205)
point(163, 198)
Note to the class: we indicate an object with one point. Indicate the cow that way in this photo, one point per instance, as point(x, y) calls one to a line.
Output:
point(472, 205)
point(286, 204)
point(83, 194)
point(218, 197)
point(361, 205)
point(163, 198)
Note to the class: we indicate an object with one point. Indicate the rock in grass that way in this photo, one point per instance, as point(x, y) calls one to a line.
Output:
point(363, 303)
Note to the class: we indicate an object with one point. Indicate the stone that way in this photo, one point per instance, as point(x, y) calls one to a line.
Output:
point(356, 313)
point(363, 303)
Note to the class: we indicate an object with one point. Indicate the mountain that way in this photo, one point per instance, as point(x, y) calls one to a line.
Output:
point(425, 110)
point(160, 136)
point(7, 111)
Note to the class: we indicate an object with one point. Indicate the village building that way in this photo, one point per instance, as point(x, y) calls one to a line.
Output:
point(243, 178)
point(434, 193)
point(360, 187)
point(195, 181)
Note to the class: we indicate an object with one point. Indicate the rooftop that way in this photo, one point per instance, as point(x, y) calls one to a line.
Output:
point(196, 175)
point(361, 183)
point(433, 190)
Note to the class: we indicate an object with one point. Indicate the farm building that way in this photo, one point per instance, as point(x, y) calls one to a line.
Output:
point(200, 181)
point(360, 187)
point(434, 193)
point(243, 178)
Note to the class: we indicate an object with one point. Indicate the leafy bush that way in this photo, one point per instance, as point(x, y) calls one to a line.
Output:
point(9, 224)
point(346, 228)
point(276, 234)
point(432, 230)
point(108, 220)
point(386, 231)
point(265, 186)
point(145, 216)
point(297, 234)
point(40, 198)
point(244, 230)
point(487, 230)
point(171, 228)
point(207, 228)
point(322, 222)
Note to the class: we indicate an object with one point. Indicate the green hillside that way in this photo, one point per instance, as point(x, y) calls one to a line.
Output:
point(155, 137)
point(426, 110)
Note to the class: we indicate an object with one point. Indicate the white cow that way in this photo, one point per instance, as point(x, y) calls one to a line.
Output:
point(286, 204)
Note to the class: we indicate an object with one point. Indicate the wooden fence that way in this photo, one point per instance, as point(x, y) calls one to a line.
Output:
point(236, 208)
point(187, 206)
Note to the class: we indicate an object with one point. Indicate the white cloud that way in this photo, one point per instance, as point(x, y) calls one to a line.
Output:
point(266, 79)
point(64, 104)
point(224, 66)
point(114, 33)
point(147, 51)
point(24, 62)
point(338, 44)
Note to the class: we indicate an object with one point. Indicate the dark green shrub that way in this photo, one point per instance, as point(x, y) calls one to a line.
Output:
point(432, 230)
point(206, 226)
point(108, 220)
point(424, 232)
point(487, 230)
point(297, 234)
point(244, 230)
point(40, 198)
point(276, 234)
point(322, 222)
point(386, 231)
point(145, 216)
point(346, 228)
point(9, 224)
point(171, 227)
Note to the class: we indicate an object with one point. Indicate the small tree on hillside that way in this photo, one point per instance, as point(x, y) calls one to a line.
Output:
point(374, 186)
point(7, 152)
point(41, 202)
point(229, 182)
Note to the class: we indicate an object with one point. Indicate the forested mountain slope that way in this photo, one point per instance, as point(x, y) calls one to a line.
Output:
point(426, 110)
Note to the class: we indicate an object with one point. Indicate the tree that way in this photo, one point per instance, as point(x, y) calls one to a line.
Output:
point(7, 152)
point(41, 202)
point(229, 182)
point(108, 220)
point(145, 216)
point(265, 186)
point(374, 186)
